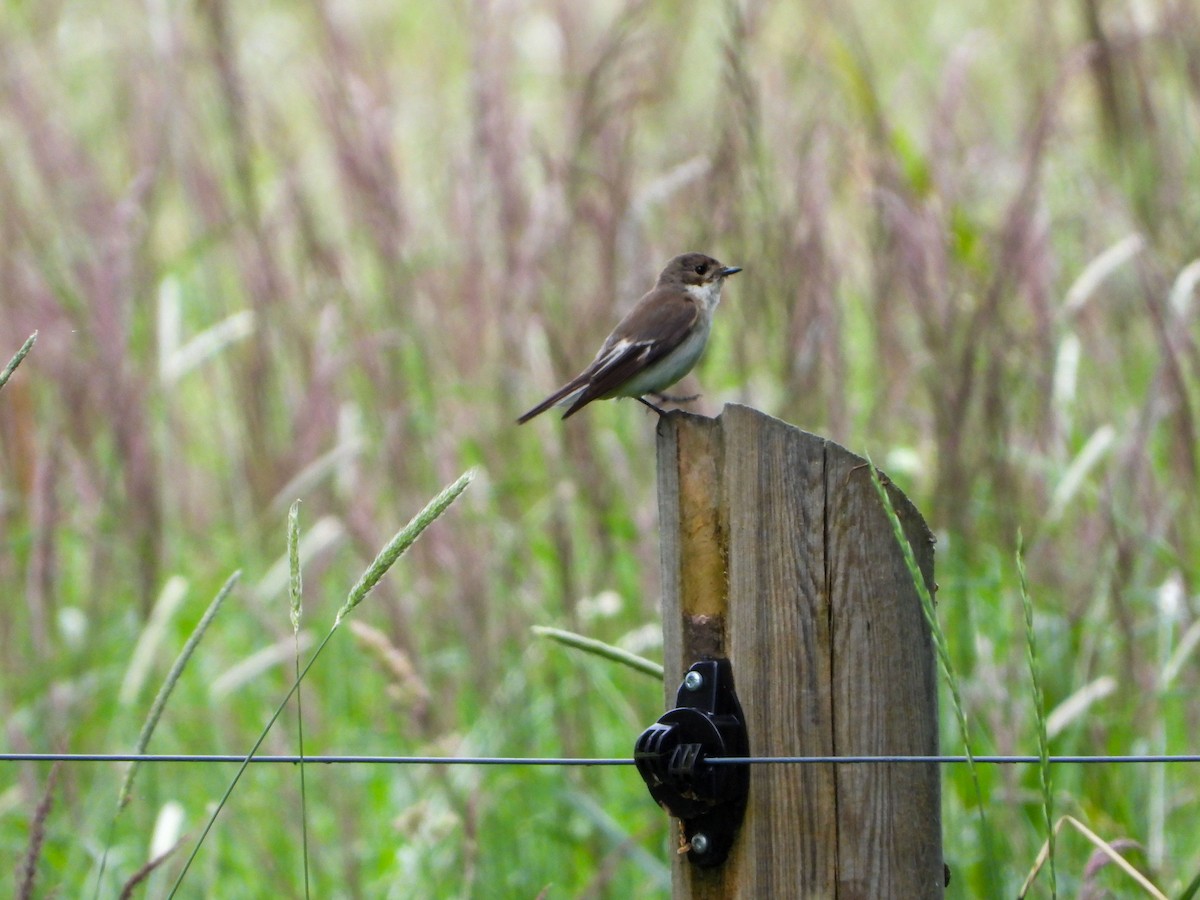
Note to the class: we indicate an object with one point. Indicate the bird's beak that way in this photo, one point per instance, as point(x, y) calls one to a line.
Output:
point(730, 270)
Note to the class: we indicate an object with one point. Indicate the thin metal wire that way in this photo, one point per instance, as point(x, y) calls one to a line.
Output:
point(579, 761)
point(326, 760)
point(993, 760)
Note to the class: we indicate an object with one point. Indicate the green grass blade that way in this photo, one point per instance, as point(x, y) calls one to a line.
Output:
point(599, 648)
point(295, 589)
point(168, 685)
point(945, 663)
point(402, 541)
point(1192, 889)
point(1039, 709)
point(16, 360)
point(156, 710)
point(384, 561)
point(295, 579)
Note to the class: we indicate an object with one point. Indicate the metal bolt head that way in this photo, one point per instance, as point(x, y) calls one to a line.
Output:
point(699, 843)
point(693, 681)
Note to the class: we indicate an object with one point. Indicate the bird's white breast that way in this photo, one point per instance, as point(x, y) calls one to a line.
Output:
point(708, 294)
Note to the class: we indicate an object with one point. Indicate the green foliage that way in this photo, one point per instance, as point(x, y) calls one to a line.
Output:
point(275, 252)
point(1039, 713)
point(11, 367)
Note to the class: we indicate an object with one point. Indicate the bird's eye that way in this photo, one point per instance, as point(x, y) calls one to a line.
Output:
point(702, 268)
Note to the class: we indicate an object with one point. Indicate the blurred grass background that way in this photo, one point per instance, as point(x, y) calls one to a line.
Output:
point(331, 251)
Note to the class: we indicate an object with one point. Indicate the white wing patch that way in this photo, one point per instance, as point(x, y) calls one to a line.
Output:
point(617, 353)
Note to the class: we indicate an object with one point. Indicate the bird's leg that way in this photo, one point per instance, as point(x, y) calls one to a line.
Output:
point(661, 412)
point(669, 398)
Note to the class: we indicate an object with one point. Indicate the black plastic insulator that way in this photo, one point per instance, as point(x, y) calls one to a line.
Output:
point(672, 755)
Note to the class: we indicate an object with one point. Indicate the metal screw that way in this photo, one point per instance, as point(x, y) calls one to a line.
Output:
point(700, 843)
point(693, 681)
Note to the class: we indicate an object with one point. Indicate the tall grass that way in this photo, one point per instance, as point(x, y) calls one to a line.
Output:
point(21, 353)
point(331, 251)
point(1039, 713)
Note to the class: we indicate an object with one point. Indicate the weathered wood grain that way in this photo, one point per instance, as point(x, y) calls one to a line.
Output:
point(776, 552)
point(884, 690)
point(695, 587)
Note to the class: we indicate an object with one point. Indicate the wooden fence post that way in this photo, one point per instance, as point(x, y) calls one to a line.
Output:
point(777, 553)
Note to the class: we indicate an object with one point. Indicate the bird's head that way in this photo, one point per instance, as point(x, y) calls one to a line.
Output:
point(695, 270)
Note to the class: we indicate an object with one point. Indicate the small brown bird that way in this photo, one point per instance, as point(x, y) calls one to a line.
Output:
point(656, 344)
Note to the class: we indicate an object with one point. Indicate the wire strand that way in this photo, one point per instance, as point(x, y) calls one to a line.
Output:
point(580, 761)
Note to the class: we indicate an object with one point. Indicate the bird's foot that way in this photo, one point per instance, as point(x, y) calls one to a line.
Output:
point(668, 398)
point(643, 400)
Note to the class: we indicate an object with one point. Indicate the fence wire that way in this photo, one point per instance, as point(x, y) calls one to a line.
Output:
point(581, 761)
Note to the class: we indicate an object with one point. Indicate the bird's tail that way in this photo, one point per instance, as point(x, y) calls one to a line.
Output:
point(565, 394)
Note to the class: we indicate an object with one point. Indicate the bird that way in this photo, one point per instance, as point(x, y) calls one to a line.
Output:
point(656, 344)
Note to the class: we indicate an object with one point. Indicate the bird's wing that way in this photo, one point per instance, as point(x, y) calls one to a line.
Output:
point(667, 314)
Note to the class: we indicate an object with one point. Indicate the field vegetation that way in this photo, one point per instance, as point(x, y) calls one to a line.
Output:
point(329, 252)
